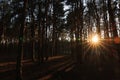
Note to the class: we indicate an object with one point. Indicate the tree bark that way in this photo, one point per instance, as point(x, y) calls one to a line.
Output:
point(20, 44)
point(112, 20)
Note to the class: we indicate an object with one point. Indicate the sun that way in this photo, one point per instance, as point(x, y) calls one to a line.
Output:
point(95, 39)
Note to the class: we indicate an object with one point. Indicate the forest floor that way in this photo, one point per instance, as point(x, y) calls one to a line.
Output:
point(91, 72)
point(34, 71)
point(101, 65)
point(64, 68)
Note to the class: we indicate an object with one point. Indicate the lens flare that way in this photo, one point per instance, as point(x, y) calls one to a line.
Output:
point(95, 39)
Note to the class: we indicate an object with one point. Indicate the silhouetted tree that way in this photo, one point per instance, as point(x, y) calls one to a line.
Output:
point(20, 44)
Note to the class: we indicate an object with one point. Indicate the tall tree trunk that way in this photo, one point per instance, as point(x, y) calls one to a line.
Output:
point(45, 29)
point(112, 20)
point(39, 31)
point(105, 19)
point(97, 18)
point(54, 29)
point(20, 44)
point(79, 28)
point(32, 30)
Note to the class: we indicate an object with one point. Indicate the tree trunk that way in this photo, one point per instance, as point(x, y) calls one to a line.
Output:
point(20, 44)
point(112, 20)
point(33, 31)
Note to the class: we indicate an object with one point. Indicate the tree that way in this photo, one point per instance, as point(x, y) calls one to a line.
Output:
point(58, 13)
point(76, 14)
point(112, 22)
point(20, 44)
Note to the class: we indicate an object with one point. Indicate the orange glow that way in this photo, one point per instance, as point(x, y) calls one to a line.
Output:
point(117, 40)
point(95, 39)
